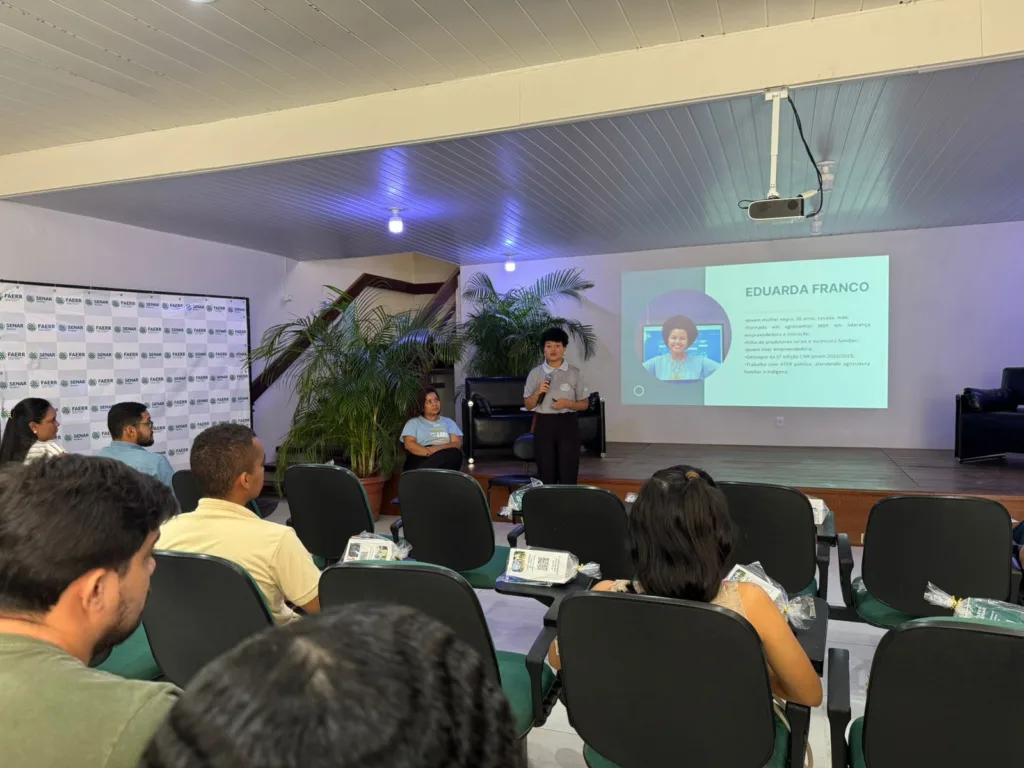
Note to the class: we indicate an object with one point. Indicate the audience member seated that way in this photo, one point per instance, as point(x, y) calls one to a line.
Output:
point(682, 539)
point(77, 539)
point(227, 464)
point(364, 685)
point(432, 441)
point(31, 432)
point(131, 433)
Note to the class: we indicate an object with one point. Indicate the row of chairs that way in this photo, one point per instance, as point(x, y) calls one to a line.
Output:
point(961, 544)
point(943, 691)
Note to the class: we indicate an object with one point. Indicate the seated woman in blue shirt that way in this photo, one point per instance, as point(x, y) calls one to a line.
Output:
point(432, 441)
point(680, 332)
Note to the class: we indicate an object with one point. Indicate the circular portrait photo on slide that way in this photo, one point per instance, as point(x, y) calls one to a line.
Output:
point(683, 336)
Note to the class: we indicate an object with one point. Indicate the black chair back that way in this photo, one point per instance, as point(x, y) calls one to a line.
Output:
point(185, 490)
point(775, 526)
point(446, 518)
point(328, 506)
point(438, 592)
point(641, 700)
point(589, 522)
point(960, 544)
point(199, 606)
point(945, 692)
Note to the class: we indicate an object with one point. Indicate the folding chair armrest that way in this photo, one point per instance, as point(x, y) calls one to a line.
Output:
point(1014, 585)
point(514, 534)
point(838, 706)
point(799, 718)
point(395, 528)
point(824, 558)
point(845, 568)
point(535, 661)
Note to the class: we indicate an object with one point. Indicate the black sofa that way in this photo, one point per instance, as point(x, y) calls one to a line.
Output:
point(493, 417)
point(990, 422)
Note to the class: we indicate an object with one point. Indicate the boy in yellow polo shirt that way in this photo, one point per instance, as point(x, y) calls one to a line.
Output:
point(227, 464)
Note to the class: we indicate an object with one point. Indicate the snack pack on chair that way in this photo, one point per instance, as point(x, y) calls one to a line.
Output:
point(374, 546)
point(546, 566)
point(515, 499)
point(975, 607)
point(799, 611)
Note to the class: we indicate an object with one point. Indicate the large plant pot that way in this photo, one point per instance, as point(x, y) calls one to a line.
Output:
point(374, 493)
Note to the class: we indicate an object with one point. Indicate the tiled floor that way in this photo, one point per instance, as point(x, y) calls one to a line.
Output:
point(515, 622)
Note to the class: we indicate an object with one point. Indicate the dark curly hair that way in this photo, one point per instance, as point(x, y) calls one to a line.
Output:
point(364, 685)
point(683, 323)
point(682, 535)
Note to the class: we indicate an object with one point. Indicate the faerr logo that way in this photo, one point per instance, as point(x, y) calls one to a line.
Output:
point(175, 305)
point(71, 301)
point(106, 382)
point(200, 377)
point(201, 425)
point(179, 403)
point(47, 327)
point(176, 355)
point(74, 355)
point(127, 355)
point(220, 400)
point(15, 355)
point(155, 380)
point(104, 328)
point(159, 428)
point(12, 296)
point(129, 303)
point(151, 329)
point(219, 355)
point(217, 308)
point(49, 382)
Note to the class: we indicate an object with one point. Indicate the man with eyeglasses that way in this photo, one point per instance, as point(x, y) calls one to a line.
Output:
point(131, 432)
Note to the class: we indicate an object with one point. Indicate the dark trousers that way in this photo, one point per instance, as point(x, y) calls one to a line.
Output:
point(449, 458)
point(556, 445)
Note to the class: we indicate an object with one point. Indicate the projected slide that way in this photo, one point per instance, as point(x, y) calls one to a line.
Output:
point(801, 334)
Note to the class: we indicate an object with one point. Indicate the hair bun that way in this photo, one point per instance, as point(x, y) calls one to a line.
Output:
point(691, 475)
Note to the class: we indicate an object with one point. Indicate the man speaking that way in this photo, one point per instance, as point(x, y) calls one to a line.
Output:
point(555, 391)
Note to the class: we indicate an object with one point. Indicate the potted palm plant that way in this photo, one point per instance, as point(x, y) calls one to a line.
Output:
point(504, 329)
point(357, 381)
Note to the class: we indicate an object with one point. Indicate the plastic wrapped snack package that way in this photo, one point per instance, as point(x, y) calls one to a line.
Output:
point(374, 546)
point(515, 499)
point(546, 566)
point(799, 611)
point(975, 607)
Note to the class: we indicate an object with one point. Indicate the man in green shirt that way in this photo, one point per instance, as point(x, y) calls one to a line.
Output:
point(77, 536)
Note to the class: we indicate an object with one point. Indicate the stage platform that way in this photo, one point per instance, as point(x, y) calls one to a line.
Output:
point(850, 480)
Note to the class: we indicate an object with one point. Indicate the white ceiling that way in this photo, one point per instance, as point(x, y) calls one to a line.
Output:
point(914, 151)
point(78, 70)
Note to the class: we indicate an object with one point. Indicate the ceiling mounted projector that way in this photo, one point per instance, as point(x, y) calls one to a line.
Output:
point(775, 209)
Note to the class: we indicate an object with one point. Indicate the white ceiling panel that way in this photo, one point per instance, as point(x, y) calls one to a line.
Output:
point(914, 151)
point(113, 67)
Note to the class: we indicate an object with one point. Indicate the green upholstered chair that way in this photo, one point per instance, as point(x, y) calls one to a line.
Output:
point(649, 681)
point(528, 682)
point(199, 606)
point(775, 526)
point(328, 506)
point(961, 544)
point(447, 521)
point(132, 658)
point(187, 493)
point(944, 692)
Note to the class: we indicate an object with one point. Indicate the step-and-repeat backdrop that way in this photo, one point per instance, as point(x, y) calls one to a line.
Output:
point(85, 349)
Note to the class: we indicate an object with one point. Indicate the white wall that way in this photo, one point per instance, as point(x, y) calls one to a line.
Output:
point(39, 245)
point(956, 319)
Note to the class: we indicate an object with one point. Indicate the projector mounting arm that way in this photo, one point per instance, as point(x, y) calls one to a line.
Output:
point(775, 96)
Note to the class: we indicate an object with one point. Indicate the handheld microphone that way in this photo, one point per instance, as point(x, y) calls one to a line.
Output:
point(540, 397)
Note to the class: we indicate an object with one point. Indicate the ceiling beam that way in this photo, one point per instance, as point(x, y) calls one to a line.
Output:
point(926, 34)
